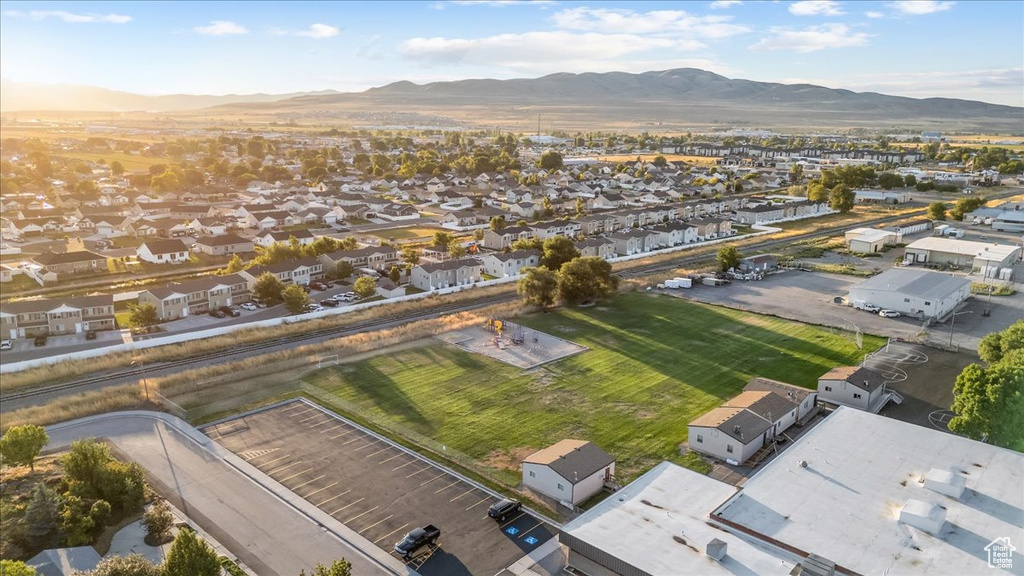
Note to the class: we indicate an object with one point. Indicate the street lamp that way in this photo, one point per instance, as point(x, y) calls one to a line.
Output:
point(952, 322)
point(145, 384)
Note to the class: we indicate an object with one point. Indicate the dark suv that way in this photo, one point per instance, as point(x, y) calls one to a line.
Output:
point(504, 508)
point(230, 311)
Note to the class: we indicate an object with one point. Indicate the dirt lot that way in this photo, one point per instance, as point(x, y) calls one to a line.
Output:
point(522, 347)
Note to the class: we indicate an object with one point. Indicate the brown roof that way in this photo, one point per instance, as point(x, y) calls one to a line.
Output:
point(573, 460)
point(794, 393)
point(861, 377)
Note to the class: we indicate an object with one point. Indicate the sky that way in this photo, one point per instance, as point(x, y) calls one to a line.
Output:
point(956, 49)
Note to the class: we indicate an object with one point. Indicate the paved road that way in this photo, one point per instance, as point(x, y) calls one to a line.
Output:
point(272, 533)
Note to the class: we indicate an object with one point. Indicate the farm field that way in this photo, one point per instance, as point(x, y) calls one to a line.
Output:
point(654, 364)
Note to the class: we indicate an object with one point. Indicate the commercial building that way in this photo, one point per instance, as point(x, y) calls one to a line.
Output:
point(869, 240)
point(964, 253)
point(913, 292)
point(569, 471)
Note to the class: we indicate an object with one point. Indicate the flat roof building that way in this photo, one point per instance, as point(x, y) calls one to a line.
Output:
point(913, 292)
point(966, 253)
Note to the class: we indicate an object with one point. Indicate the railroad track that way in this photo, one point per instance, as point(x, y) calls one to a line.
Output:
point(369, 325)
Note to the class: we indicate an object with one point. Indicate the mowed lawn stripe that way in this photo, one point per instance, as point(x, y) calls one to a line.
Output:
point(654, 364)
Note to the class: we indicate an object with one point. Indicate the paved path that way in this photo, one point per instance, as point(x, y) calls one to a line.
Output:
point(265, 526)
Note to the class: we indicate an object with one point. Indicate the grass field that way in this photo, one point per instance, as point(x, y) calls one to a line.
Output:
point(404, 233)
point(130, 162)
point(698, 160)
point(654, 364)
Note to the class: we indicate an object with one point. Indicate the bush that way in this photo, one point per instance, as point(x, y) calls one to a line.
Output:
point(158, 521)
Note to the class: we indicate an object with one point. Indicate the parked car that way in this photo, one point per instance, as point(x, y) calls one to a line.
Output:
point(315, 308)
point(248, 306)
point(416, 539)
point(6, 344)
point(90, 335)
point(39, 341)
point(329, 302)
point(871, 308)
point(504, 508)
point(229, 311)
point(889, 313)
point(217, 314)
point(319, 286)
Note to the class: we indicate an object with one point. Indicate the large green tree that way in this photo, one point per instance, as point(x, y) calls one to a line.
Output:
point(538, 286)
point(888, 180)
point(21, 445)
point(144, 314)
point(295, 299)
point(817, 193)
point(190, 556)
point(588, 278)
point(965, 206)
point(268, 289)
point(558, 250)
point(841, 198)
point(339, 568)
point(550, 161)
point(989, 400)
point(42, 515)
point(16, 568)
point(937, 210)
point(131, 565)
point(728, 257)
point(365, 287)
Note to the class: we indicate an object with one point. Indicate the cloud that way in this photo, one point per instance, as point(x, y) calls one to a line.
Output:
point(71, 17)
point(873, 14)
point(810, 39)
point(616, 21)
point(919, 7)
point(221, 28)
point(319, 31)
point(723, 4)
point(533, 51)
point(815, 8)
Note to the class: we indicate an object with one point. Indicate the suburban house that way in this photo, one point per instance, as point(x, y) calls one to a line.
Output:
point(505, 237)
point(759, 213)
point(31, 318)
point(742, 426)
point(398, 212)
point(857, 387)
point(198, 296)
point(209, 226)
point(676, 233)
point(388, 289)
point(265, 239)
point(81, 262)
point(569, 471)
point(599, 247)
point(222, 245)
point(171, 251)
point(634, 241)
point(432, 276)
point(511, 264)
point(301, 271)
point(805, 398)
point(376, 257)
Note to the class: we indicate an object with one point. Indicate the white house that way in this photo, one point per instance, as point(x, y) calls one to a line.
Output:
point(857, 387)
point(569, 471)
point(432, 276)
point(511, 264)
point(171, 251)
point(740, 427)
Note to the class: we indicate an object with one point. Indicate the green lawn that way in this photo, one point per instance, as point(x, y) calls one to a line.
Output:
point(404, 233)
point(654, 364)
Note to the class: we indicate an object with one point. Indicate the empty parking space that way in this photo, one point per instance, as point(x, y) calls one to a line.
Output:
point(380, 490)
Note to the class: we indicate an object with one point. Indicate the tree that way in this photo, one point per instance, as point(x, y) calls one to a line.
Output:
point(166, 182)
point(989, 400)
point(116, 168)
point(728, 257)
point(16, 568)
point(442, 238)
point(338, 568)
point(365, 287)
point(190, 556)
point(888, 180)
point(395, 275)
point(993, 347)
point(22, 444)
point(817, 193)
point(157, 521)
point(456, 249)
point(660, 161)
point(965, 206)
point(497, 223)
point(937, 210)
point(796, 173)
point(580, 206)
point(268, 288)
point(42, 513)
point(131, 565)
point(85, 461)
point(144, 314)
point(344, 269)
point(295, 299)
point(236, 264)
point(841, 198)
point(910, 180)
point(586, 278)
point(558, 250)
point(478, 235)
point(538, 286)
point(550, 161)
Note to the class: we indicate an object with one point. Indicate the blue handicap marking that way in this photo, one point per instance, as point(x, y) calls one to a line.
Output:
point(512, 530)
point(531, 540)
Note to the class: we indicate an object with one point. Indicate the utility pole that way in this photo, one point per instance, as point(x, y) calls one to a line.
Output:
point(538, 124)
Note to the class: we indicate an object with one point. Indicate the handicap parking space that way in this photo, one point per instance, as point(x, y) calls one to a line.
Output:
point(380, 490)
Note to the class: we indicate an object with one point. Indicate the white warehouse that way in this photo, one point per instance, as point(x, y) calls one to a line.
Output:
point(913, 292)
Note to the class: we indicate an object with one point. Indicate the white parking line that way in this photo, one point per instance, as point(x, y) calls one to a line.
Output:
point(404, 465)
point(302, 412)
point(335, 427)
point(376, 523)
point(367, 445)
point(321, 489)
point(310, 418)
point(390, 533)
point(354, 518)
point(335, 497)
point(278, 459)
point(448, 486)
point(269, 472)
point(432, 479)
point(353, 440)
point(531, 529)
point(479, 503)
point(293, 488)
point(392, 458)
point(521, 514)
point(293, 407)
point(283, 480)
point(328, 421)
point(384, 449)
point(344, 434)
point(346, 506)
point(461, 495)
point(418, 471)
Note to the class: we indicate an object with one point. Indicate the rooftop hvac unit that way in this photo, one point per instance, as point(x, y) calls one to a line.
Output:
point(717, 549)
point(945, 482)
point(814, 565)
point(926, 516)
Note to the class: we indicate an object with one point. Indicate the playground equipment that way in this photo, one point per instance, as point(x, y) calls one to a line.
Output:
point(500, 328)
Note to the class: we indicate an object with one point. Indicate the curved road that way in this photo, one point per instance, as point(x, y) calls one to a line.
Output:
point(266, 527)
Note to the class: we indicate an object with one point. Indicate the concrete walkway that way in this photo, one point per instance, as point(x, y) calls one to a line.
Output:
point(269, 529)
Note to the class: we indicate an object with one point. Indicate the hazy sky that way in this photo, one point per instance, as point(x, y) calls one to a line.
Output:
point(971, 50)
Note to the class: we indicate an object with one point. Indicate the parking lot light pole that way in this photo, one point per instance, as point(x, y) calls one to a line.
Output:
point(952, 322)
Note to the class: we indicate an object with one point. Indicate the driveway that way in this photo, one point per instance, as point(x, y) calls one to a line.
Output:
point(268, 528)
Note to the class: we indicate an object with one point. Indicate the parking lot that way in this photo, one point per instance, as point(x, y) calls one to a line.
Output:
point(380, 490)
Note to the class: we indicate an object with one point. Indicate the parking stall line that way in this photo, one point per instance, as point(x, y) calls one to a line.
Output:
point(391, 458)
point(354, 518)
point(366, 446)
point(310, 418)
point(390, 533)
point(322, 489)
point(432, 479)
point(479, 503)
point(283, 480)
point(376, 523)
point(307, 482)
point(448, 486)
point(353, 440)
point(335, 497)
point(300, 413)
point(425, 468)
point(328, 421)
point(404, 465)
point(347, 506)
point(278, 459)
point(344, 434)
point(539, 523)
point(512, 521)
point(335, 427)
point(384, 449)
point(293, 407)
point(278, 469)
point(461, 495)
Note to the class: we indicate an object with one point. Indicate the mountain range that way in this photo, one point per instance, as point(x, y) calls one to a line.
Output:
point(668, 99)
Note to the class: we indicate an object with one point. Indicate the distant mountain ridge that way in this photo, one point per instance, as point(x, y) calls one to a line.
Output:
point(15, 96)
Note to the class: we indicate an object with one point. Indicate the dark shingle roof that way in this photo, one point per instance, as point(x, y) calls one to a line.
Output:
point(573, 460)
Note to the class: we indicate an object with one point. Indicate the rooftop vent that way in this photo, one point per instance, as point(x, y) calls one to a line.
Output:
point(814, 565)
point(717, 549)
point(926, 516)
point(803, 463)
point(945, 482)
